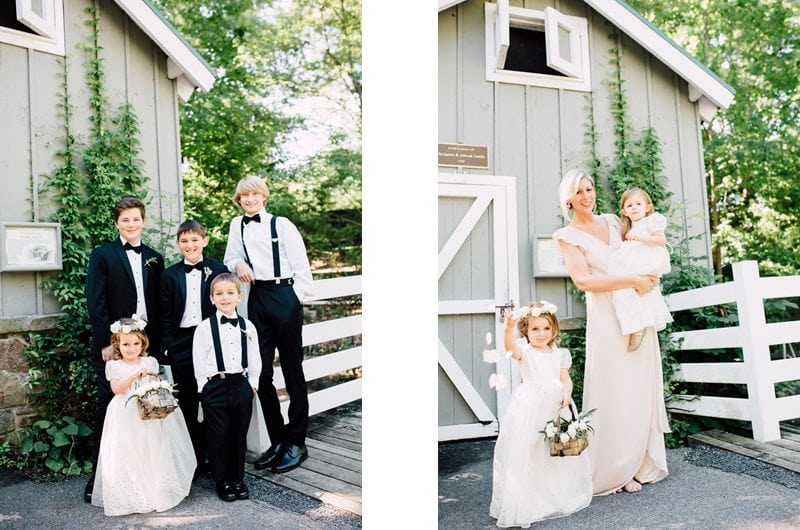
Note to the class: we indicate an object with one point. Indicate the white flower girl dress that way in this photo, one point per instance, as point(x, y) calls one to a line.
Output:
point(529, 485)
point(143, 465)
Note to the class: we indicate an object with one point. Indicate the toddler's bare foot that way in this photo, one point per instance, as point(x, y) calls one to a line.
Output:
point(632, 487)
point(635, 340)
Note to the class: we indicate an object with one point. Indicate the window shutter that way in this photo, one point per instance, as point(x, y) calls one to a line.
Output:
point(501, 34)
point(562, 37)
point(38, 15)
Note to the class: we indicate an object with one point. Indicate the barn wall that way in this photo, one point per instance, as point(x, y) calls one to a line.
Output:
point(536, 134)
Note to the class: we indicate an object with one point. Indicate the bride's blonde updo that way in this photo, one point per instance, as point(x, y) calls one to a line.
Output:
point(569, 187)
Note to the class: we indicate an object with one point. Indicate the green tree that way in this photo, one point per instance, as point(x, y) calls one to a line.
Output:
point(752, 149)
point(270, 55)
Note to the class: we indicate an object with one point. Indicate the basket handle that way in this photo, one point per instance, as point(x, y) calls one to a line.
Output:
point(572, 412)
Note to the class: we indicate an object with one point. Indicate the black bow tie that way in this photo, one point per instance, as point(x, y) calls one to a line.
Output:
point(137, 249)
point(232, 321)
point(256, 218)
point(189, 268)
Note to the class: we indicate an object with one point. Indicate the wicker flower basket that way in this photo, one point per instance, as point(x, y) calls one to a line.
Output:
point(156, 403)
point(575, 445)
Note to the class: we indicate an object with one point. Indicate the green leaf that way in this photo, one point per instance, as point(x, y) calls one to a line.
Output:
point(71, 430)
point(40, 447)
point(26, 446)
point(42, 424)
point(60, 439)
point(54, 465)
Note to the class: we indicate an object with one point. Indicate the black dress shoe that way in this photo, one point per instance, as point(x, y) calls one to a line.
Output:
point(87, 491)
point(292, 457)
point(240, 489)
point(225, 492)
point(269, 457)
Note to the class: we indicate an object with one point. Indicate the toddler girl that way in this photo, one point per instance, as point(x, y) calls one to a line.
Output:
point(642, 252)
point(143, 465)
point(528, 484)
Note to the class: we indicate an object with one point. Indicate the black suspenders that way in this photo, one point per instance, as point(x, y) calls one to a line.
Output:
point(276, 257)
point(218, 343)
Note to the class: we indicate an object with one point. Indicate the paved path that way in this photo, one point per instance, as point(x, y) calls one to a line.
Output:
point(706, 489)
point(59, 505)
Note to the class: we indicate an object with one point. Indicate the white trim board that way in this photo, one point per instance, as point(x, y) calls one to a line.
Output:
point(702, 81)
point(183, 59)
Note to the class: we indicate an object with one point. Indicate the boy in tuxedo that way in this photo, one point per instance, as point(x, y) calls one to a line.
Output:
point(269, 252)
point(185, 302)
point(227, 366)
point(122, 281)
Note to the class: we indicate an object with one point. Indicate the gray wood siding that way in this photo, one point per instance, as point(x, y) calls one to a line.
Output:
point(535, 134)
point(30, 83)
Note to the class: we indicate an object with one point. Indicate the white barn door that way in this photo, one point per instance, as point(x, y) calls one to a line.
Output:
point(477, 271)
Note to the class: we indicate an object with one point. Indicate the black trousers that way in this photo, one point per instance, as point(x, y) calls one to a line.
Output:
point(104, 396)
point(278, 317)
point(180, 359)
point(227, 407)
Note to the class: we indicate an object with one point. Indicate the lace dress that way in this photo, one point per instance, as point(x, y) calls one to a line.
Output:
point(143, 465)
point(636, 312)
point(528, 484)
point(626, 388)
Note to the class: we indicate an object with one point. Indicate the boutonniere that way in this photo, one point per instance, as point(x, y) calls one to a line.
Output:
point(150, 261)
point(207, 271)
point(247, 333)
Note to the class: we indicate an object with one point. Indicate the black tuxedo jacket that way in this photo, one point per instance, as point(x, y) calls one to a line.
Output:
point(111, 292)
point(173, 300)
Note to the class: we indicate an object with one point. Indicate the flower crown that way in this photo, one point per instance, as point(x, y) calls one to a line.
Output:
point(537, 311)
point(137, 325)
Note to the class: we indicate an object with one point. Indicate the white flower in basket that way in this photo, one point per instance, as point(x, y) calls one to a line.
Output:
point(568, 436)
point(154, 397)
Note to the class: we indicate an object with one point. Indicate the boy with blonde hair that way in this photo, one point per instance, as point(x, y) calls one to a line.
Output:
point(269, 253)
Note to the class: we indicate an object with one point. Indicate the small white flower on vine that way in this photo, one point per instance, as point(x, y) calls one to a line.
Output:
point(539, 309)
point(498, 381)
point(490, 356)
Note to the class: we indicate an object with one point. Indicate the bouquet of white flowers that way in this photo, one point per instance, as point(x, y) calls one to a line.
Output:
point(568, 436)
point(154, 396)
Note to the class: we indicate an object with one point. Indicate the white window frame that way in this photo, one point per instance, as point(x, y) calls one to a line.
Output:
point(49, 27)
point(500, 17)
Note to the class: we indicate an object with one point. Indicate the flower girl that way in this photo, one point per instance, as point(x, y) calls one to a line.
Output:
point(143, 465)
point(529, 485)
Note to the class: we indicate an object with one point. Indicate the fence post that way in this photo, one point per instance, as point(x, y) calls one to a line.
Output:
point(755, 350)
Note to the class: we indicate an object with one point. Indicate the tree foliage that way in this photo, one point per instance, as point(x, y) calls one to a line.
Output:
point(267, 55)
point(752, 149)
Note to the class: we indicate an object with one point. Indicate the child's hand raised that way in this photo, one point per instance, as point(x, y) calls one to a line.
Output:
point(510, 321)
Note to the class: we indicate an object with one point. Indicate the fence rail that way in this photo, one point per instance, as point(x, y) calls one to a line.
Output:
point(754, 336)
point(335, 362)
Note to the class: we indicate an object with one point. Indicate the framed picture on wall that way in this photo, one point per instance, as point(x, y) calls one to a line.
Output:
point(547, 259)
point(30, 246)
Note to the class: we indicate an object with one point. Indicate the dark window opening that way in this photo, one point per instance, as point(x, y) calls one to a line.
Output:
point(8, 17)
point(527, 52)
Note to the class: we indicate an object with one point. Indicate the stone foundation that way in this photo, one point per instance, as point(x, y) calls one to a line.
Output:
point(15, 410)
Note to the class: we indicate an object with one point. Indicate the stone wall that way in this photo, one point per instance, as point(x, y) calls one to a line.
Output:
point(15, 410)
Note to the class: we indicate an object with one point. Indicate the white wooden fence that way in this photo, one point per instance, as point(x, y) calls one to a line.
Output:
point(754, 336)
point(330, 363)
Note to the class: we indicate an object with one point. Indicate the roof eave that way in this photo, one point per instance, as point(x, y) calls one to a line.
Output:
point(183, 55)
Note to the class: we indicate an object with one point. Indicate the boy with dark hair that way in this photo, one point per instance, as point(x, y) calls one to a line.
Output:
point(122, 281)
point(185, 302)
point(227, 366)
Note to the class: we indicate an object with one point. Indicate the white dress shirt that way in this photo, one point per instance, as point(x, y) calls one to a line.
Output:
point(135, 259)
point(293, 258)
point(192, 311)
point(205, 359)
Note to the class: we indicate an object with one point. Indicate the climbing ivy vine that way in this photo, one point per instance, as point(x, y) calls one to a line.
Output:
point(93, 176)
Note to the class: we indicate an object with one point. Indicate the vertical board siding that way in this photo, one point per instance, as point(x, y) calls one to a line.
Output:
point(535, 134)
point(31, 84)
